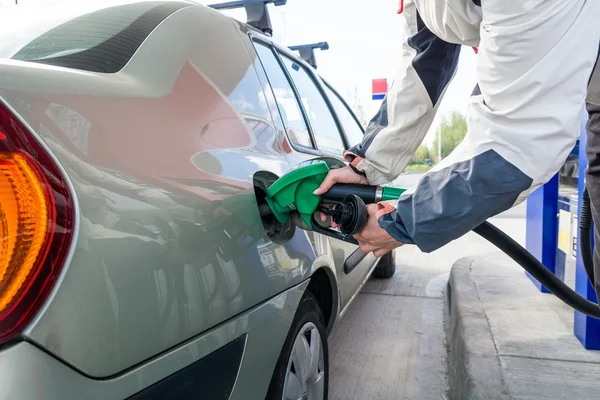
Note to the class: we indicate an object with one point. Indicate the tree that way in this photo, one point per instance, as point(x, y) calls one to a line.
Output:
point(420, 155)
point(453, 131)
point(357, 107)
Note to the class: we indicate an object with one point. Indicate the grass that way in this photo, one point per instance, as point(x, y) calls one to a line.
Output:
point(417, 168)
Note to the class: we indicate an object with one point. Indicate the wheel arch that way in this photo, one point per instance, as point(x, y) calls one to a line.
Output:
point(323, 286)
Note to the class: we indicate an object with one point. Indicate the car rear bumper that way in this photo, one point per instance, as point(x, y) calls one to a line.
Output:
point(250, 343)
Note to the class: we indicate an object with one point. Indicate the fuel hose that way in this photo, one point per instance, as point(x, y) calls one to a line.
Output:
point(524, 258)
point(585, 240)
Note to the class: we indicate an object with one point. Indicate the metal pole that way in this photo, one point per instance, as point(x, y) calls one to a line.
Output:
point(439, 144)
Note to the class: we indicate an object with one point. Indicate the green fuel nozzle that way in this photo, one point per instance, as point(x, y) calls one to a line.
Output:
point(344, 203)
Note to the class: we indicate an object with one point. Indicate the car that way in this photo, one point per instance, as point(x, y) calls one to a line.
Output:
point(137, 142)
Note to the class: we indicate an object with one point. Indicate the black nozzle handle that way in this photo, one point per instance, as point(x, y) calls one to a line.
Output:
point(340, 191)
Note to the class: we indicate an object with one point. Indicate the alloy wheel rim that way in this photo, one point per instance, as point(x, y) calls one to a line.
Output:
point(305, 373)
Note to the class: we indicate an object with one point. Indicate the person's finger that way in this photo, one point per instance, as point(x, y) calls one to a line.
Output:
point(380, 252)
point(367, 248)
point(330, 180)
point(323, 217)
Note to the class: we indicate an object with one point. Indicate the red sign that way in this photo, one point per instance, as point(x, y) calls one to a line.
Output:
point(380, 88)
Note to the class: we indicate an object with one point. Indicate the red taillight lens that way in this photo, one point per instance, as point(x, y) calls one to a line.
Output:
point(36, 222)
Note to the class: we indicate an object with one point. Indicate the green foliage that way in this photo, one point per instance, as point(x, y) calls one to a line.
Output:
point(453, 131)
point(420, 155)
point(417, 168)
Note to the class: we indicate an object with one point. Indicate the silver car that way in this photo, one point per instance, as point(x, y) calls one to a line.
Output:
point(137, 142)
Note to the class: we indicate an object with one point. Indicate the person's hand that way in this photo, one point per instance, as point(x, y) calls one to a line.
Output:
point(374, 238)
point(340, 175)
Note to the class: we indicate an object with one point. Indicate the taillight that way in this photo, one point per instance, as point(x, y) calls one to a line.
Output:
point(36, 222)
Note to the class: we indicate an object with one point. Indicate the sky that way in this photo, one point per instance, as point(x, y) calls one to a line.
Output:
point(364, 43)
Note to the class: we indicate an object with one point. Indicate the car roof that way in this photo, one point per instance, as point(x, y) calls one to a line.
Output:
point(25, 23)
point(44, 32)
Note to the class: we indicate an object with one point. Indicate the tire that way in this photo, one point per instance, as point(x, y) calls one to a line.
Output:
point(386, 267)
point(308, 327)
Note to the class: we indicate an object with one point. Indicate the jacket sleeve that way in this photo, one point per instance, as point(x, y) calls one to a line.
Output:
point(534, 63)
point(391, 138)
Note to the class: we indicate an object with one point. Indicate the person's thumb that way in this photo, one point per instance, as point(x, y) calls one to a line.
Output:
point(327, 183)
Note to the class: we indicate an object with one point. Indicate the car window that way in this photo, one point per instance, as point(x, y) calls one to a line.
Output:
point(354, 132)
point(249, 100)
point(323, 125)
point(288, 105)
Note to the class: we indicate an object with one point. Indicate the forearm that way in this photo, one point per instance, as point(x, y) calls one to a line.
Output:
point(522, 123)
point(394, 134)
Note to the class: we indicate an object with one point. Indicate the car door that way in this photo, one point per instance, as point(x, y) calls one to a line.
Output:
point(313, 129)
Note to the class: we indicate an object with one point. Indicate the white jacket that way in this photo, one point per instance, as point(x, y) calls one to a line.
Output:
point(535, 59)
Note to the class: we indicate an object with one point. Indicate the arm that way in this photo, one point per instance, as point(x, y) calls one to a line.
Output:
point(523, 120)
point(393, 135)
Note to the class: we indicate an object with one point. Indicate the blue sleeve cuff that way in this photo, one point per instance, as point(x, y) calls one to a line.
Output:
point(394, 226)
point(449, 202)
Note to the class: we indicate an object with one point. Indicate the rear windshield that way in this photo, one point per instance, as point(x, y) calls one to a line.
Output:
point(100, 41)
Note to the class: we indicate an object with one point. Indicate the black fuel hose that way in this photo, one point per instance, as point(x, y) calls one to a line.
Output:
point(585, 239)
point(531, 264)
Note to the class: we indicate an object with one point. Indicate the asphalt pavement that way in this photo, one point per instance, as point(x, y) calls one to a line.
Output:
point(408, 180)
point(391, 343)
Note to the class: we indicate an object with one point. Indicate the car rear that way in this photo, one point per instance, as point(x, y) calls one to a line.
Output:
point(102, 240)
point(37, 223)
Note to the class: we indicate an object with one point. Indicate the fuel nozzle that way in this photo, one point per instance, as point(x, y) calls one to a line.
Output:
point(350, 214)
point(292, 196)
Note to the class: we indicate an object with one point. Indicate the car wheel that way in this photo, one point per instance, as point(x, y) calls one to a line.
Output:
point(386, 267)
point(302, 371)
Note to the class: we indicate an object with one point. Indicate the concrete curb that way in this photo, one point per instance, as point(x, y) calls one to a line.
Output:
point(474, 370)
